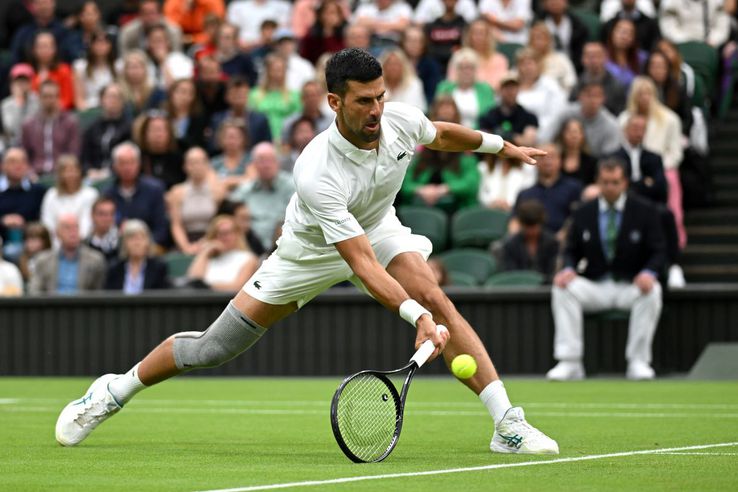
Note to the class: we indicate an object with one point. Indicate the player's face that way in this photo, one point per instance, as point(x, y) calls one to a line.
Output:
point(359, 111)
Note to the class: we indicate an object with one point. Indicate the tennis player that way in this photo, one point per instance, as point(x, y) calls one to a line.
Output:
point(340, 225)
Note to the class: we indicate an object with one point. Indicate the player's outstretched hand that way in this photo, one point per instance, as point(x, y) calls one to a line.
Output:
point(427, 330)
point(524, 154)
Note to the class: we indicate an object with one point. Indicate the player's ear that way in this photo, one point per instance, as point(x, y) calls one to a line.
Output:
point(334, 101)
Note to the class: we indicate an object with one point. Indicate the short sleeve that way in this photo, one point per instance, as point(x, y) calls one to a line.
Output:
point(414, 121)
point(327, 201)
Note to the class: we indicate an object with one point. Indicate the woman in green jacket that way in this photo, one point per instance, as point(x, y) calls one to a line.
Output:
point(446, 180)
point(272, 97)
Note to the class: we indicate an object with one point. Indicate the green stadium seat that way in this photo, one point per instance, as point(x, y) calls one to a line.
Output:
point(704, 59)
point(103, 184)
point(178, 263)
point(462, 279)
point(477, 227)
point(473, 262)
point(47, 180)
point(590, 20)
point(517, 278)
point(86, 117)
point(509, 50)
point(426, 221)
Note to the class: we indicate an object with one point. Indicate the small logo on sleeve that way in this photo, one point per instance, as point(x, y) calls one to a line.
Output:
point(401, 155)
point(257, 284)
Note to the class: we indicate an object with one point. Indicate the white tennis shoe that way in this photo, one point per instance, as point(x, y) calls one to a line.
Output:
point(515, 435)
point(82, 416)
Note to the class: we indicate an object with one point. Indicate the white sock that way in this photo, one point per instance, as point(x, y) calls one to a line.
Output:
point(495, 399)
point(125, 386)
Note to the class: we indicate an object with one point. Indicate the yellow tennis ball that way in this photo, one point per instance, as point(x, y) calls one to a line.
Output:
point(464, 366)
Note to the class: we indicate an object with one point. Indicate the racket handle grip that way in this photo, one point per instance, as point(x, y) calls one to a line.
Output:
point(426, 349)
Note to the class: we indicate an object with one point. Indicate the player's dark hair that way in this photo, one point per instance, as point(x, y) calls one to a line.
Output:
point(350, 64)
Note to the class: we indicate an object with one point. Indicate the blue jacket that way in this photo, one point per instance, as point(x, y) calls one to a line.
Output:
point(147, 204)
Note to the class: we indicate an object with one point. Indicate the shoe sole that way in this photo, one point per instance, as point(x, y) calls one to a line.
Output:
point(57, 430)
point(498, 448)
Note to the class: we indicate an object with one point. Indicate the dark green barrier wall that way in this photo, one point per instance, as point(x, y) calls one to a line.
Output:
point(339, 332)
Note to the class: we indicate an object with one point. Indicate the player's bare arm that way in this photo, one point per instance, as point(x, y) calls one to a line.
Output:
point(359, 255)
point(453, 137)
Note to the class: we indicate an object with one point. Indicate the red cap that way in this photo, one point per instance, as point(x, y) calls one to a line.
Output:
point(21, 70)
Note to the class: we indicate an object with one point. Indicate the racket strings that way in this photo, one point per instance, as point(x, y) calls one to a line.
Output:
point(367, 416)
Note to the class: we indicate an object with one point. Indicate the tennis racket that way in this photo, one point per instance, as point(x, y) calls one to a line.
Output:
point(367, 411)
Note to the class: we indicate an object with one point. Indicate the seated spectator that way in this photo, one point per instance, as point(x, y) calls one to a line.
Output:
point(161, 157)
point(473, 97)
point(671, 94)
point(400, 81)
point(249, 16)
point(264, 44)
point(242, 216)
point(133, 35)
point(610, 8)
point(138, 86)
point(538, 93)
point(558, 194)
point(51, 132)
point(491, 65)
point(72, 268)
point(43, 19)
point(137, 196)
point(312, 97)
point(169, 64)
point(104, 236)
point(509, 119)
point(594, 58)
point(427, 11)
point(137, 270)
point(266, 196)
point(576, 161)
point(232, 166)
point(386, 19)
point(428, 70)
point(680, 70)
point(554, 64)
point(568, 31)
point(83, 25)
point(47, 66)
point(664, 137)
point(619, 238)
point(20, 200)
point(327, 34)
point(301, 133)
point(224, 263)
point(509, 19)
point(502, 180)
point(445, 31)
point(645, 170)
point(193, 203)
point(299, 70)
point(237, 97)
point(11, 281)
point(36, 238)
point(533, 247)
point(186, 114)
point(191, 17)
point(647, 29)
point(233, 62)
point(21, 104)
point(68, 196)
point(446, 180)
point(112, 127)
point(705, 21)
point(625, 58)
point(94, 72)
point(356, 36)
point(272, 97)
point(211, 87)
point(600, 127)
point(439, 271)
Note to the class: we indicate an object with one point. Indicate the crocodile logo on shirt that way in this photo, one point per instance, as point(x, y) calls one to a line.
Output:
point(401, 155)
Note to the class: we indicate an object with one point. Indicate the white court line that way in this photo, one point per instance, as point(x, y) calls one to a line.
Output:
point(9, 401)
point(314, 483)
point(702, 454)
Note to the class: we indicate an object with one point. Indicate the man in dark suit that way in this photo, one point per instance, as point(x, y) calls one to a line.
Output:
point(568, 31)
point(613, 253)
point(237, 97)
point(645, 169)
point(647, 29)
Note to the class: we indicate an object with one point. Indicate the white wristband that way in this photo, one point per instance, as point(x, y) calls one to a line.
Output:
point(410, 311)
point(491, 144)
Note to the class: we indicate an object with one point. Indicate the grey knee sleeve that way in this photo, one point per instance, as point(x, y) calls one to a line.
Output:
point(228, 336)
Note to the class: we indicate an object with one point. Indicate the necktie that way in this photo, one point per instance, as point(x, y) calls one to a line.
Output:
point(611, 232)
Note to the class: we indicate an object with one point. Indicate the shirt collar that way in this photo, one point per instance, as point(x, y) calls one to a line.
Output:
point(5, 184)
point(357, 155)
point(619, 204)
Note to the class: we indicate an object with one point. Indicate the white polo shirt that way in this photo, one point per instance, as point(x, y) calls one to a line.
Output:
point(343, 191)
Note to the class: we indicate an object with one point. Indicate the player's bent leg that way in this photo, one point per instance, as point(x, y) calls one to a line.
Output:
point(513, 434)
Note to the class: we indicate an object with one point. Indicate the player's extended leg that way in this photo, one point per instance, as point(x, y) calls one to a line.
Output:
point(241, 324)
point(512, 433)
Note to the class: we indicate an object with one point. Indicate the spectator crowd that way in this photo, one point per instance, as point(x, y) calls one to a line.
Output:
point(168, 130)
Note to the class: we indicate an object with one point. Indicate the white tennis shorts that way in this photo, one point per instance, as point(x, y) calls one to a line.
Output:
point(282, 281)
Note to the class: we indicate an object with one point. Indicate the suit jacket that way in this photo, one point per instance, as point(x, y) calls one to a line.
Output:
point(147, 204)
point(515, 255)
point(156, 275)
point(90, 276)
point(96, 150)
point(65, 136)
point(639, 245)
point(579, 37)
point(652, 167)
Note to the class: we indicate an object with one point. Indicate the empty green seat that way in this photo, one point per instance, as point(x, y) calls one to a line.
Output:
point(590, 20)
point(704, 59)
point(462, 279)
point(473, 262)
point(477, 227)
point(509, 50)
point(515, 277)
point(86, 117)
point(426, 221)
point(177, 263)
